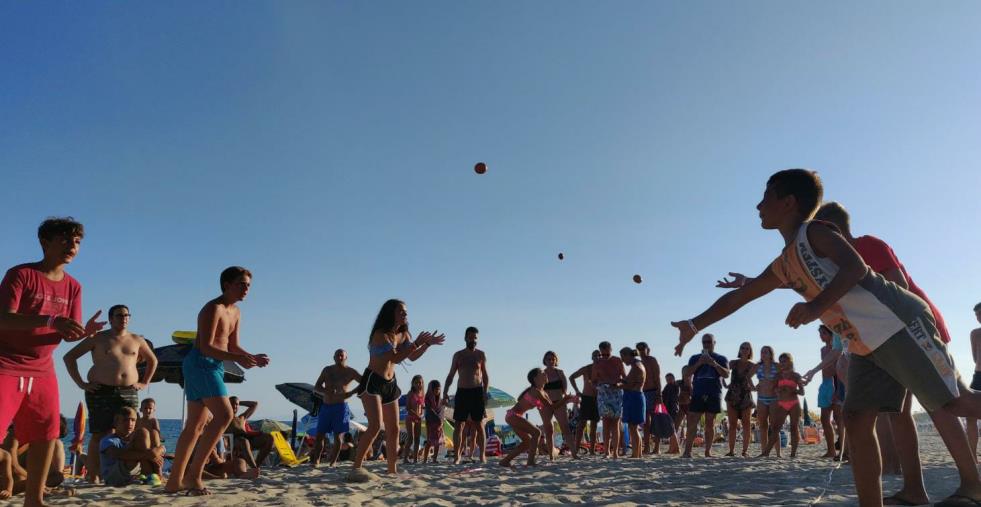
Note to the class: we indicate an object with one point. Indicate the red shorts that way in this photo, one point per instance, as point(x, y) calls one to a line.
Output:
point(32, 404)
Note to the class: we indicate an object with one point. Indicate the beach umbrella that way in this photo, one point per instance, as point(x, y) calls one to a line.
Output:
point(301, 394)
point(269, 426)
point(807, 415)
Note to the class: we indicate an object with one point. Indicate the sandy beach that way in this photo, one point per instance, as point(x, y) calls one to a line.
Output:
point(659, 480)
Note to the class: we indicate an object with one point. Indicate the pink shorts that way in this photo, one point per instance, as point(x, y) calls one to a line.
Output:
point(32, 404)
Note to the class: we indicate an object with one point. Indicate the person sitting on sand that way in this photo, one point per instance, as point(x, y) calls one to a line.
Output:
point(739, 398)
point(128, 452)
point(588, 409)
point(113, 380)
point(434, 420)
point(19, 452)
point(389, 344)
point(634, 409)
point(555, 387)
point(414, 405)
point(247, 439)
point(148, 418)
point(608, 372)
point(530, 435)
point(219, 468)
point(335, 413)
point(790, 385)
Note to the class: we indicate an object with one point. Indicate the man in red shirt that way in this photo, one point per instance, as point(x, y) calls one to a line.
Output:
point(40, 305)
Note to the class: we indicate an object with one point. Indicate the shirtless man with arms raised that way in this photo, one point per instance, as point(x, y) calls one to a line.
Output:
point(204, 371)
point(113, 380)
point(335, 414)
point(470, 401)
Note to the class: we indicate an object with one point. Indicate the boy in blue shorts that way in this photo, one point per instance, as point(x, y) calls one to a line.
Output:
point(204, 386)
point(891, 333)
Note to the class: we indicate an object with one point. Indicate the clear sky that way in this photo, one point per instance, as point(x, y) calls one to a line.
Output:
point(329, 147)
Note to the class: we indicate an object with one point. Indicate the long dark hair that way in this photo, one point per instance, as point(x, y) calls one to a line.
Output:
point(385, 320)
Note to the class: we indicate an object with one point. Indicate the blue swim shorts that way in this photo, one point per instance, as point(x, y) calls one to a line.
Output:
point(826, 393)
point(634, 410)
point(334, 419)
point(204, 377)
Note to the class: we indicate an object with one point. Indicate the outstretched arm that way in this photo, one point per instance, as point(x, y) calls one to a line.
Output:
point(725, 306)
point(829, 360)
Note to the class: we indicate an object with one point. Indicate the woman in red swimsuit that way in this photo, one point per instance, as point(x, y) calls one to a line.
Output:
point(532, 397)
point(790, 385)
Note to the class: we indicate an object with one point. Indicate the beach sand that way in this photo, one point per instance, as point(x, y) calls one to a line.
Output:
point(658, 480)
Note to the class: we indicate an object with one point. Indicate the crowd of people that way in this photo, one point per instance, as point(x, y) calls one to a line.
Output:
point(883, 342)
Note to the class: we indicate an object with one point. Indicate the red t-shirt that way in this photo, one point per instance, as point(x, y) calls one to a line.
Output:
point(880, 257)
point(26, 291)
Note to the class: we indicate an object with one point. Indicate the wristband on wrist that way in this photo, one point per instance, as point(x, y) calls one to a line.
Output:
point(51, 320)
point(691, 325)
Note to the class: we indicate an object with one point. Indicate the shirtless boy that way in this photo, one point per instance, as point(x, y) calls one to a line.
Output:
point(634, 404)
point(113, 380)
point(471, 395)
point(652, 395)
point(608, 372)
point(892, 335)
point(148, 418)
point(204, 370)
point(335, 414)
point(588, 409)
point(40, 305)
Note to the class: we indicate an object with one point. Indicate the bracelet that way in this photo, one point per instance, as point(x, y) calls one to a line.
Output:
point(51, 321)
point(691, 324)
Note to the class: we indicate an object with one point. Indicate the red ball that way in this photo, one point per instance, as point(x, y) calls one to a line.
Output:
point(480, 168)
point(561, 256)
point(637, 279)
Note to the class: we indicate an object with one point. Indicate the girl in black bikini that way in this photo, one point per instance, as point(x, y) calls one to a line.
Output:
point(555, 387)
point(390, 343)
point(739, 399)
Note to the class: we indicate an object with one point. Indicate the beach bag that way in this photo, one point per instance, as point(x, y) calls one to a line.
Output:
point(661, 422)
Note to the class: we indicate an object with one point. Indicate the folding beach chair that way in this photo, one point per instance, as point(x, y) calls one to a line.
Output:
point(285, 452)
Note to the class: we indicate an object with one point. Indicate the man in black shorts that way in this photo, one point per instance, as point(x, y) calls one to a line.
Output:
point(588, 409)
point(471, 395)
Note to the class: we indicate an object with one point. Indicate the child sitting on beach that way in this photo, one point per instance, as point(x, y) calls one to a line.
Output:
point(414, 403)
point(530, 435)
point(789, 386)
point(128, 452)
point(434, 420)
point(148, 419)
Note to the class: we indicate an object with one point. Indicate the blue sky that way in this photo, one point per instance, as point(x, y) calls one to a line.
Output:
point(329, 147)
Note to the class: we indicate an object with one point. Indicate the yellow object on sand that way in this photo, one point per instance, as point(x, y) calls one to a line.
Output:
point(184, 337)
point(284, 450)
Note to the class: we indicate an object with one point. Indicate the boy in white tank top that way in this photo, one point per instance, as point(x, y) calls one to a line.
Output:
point(891, 333)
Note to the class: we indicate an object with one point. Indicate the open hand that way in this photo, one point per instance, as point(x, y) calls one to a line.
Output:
point(802, 313)
point(261, 360)
point(738, 280)
point(436, 338)
point(685, 334)
point(93, 326)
